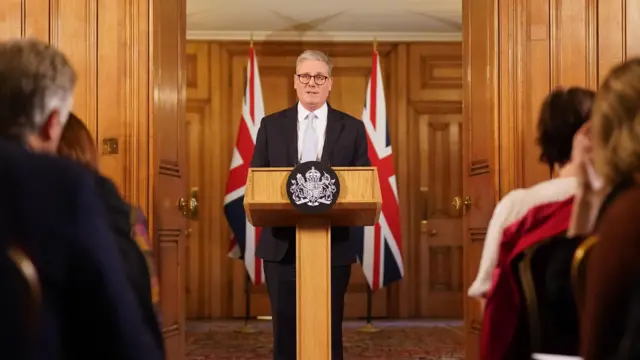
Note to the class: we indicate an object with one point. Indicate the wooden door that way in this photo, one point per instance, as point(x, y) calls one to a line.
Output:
point(479, 165)
point(171, 173)
point(195, 256)
point(434, 240)
point(440, 243)
point(277, 66)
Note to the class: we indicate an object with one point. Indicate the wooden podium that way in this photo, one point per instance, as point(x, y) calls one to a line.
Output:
point(266, 204)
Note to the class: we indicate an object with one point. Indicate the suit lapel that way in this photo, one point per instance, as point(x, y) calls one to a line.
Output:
point(290, 126)
point(334, 129)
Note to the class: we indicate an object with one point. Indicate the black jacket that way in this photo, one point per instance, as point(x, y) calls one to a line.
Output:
point(52, 210)
point(276, 146)
point(137, 271)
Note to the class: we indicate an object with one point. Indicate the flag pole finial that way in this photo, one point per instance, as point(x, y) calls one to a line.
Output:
point(251, 39)
point(375, 44)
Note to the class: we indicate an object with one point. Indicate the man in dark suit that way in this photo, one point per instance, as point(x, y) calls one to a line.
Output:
point(52, 211)
point(309, 131)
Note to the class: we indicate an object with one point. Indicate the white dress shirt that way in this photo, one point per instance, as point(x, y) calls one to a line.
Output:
point(320, 124)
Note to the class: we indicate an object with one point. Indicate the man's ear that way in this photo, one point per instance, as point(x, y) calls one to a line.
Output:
point(51, 126)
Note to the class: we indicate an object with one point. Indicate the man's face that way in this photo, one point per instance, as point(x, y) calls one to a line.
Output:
point(312, 83)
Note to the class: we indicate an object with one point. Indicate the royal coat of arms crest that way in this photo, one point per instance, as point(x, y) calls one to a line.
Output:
point(313, 187)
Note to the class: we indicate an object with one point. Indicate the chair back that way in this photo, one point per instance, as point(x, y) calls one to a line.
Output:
point(544, 277)
point(21, 297)
point(579, 268)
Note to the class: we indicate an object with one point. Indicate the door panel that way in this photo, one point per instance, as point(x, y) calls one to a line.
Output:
point(479, 163)
point(440, 137)
point(171, 173)
point(195, 255)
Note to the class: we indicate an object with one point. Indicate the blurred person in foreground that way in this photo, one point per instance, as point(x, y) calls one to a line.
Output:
point(52, 211)
point(524, 217)
point(610, 321)
point(128, 223)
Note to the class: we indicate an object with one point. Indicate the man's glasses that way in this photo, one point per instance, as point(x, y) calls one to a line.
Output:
point(306, 78)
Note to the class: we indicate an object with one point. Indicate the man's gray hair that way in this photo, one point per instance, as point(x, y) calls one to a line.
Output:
point(315, 55)
point(35, 79)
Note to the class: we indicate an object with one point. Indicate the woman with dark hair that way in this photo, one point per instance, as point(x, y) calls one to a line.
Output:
point(525, 216)
point(128, 224)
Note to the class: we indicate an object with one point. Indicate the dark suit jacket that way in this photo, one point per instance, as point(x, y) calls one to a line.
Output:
point(277, 146)
point(50, 207)
point(135, 263)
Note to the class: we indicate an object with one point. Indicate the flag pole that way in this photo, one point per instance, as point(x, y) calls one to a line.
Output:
point(368, 327)
point(251, 39)
point(247, 328)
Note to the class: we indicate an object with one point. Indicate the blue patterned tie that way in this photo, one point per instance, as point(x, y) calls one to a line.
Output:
point(310, 140)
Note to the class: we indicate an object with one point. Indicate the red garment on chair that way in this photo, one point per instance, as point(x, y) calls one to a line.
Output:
point(501, 323)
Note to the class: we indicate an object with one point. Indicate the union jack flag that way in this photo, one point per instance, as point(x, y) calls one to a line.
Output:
point(380, 252)
point(245, 236)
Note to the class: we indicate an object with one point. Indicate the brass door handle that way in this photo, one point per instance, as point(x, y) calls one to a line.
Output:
point(433, 233)
point(189, 209)
point(457, 202)
point(182, 206)
point(193, 204)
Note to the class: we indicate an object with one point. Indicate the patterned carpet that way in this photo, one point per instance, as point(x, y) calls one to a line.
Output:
point(398, 340)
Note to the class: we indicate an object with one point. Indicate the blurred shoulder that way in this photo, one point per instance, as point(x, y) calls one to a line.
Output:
point(41, 173)
point(16, 158)
point(620, 218)
point(512, 198)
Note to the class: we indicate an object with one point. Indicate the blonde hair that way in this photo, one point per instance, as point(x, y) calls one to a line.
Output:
point(616, 123)
point(315, 55)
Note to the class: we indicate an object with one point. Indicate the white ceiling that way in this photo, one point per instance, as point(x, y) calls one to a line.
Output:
point(328, 19)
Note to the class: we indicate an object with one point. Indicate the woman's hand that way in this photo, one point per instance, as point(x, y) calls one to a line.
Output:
point(483, 303)
point(581, 147)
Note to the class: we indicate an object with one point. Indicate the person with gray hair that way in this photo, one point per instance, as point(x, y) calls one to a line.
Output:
point(52, 211)
point(311, 130)
point(36, 93)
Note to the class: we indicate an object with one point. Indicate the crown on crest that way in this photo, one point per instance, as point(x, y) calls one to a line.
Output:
point(313, 174)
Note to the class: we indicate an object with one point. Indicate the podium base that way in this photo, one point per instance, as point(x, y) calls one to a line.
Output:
point(369, 328)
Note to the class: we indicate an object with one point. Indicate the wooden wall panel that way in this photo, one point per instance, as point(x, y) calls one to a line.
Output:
point(112, 94)
point(552, 43)
point(423, 85)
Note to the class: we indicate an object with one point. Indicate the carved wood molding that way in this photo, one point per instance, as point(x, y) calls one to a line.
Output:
point(436, 107)
point(322, 36)
point(136, 111)
point(296, 48)
point(479, 167)
point(513, 36)
point(477, 234)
